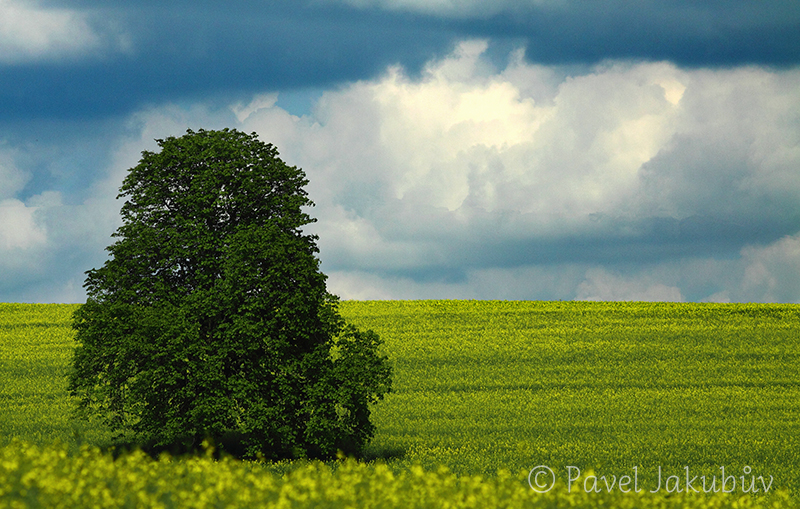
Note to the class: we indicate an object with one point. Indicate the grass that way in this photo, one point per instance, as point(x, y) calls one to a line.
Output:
point(491, 387)
point(36, 344)
point(482, 386)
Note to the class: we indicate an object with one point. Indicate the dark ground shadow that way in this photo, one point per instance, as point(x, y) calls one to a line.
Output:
point(384, 453)
point(232, 446)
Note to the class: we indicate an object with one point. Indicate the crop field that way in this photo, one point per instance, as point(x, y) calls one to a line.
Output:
point(612, 398)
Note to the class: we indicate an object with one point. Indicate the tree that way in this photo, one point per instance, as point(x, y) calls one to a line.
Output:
point(211, 317)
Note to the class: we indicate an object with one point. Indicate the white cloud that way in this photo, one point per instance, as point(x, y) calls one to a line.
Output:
point(46, 245)
point(359, 285)
point(259, 102)
point(467, 171)
point(518, 283)
point(12, 180)
point(736, 149)
point(464, 140)
point(32, 32)
point(772, 273)
point(18, 227)
point(629, 181)
point(605, 286)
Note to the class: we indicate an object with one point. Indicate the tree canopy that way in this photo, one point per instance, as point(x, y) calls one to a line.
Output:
point(211, 317)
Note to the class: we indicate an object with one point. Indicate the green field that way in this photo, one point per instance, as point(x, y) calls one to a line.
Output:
point(495, 388)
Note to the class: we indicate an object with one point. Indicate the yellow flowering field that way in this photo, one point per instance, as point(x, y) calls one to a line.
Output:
point(609, 386)
point(593, 404)
point(36, 345)
point(50, 477)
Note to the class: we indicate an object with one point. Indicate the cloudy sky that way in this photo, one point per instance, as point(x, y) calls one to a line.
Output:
point(513, 149)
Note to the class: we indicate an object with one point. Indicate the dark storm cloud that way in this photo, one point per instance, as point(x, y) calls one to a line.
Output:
point(687, 33)
point(183, 50)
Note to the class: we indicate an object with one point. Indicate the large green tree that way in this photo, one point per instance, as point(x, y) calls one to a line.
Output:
point(211, 317)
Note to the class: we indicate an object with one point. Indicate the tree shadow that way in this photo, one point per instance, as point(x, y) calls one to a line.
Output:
point(383, 453)
point(232, 446)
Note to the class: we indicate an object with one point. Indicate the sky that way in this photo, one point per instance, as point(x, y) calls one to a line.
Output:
point(513, 149)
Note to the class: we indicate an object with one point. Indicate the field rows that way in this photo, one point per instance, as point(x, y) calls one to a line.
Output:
point(482, 386)
point(493, 389)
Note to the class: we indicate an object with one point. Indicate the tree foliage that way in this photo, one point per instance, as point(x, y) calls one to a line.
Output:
point(211, 317)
